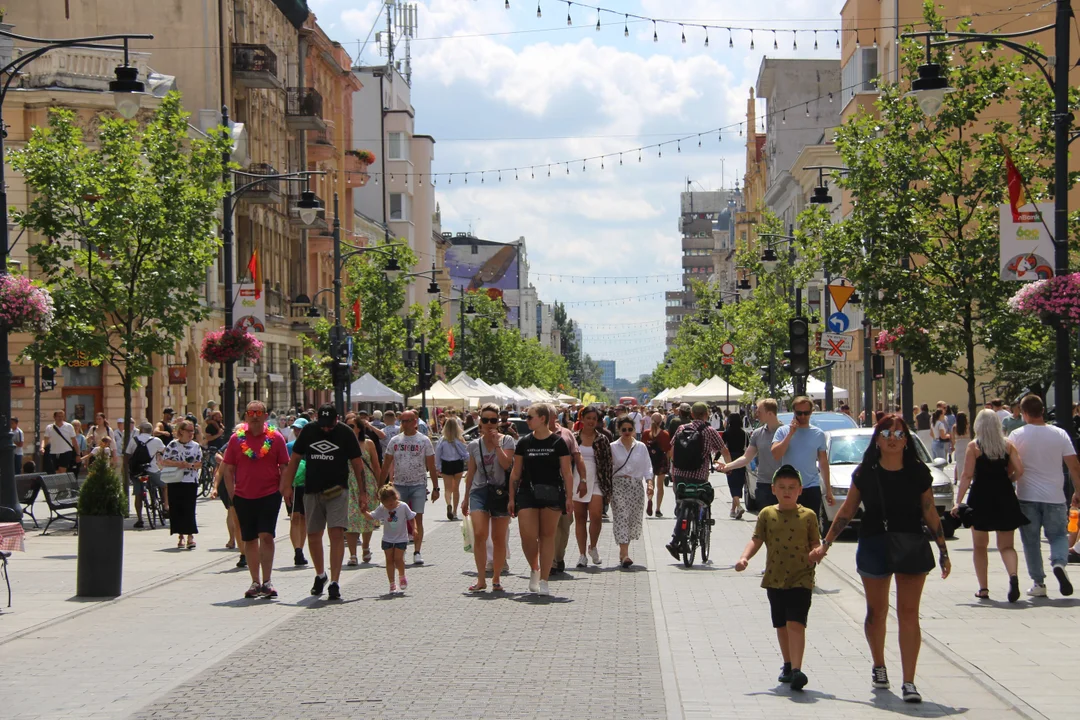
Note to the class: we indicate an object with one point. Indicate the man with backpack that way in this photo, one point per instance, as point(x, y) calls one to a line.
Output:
point(142, 453)
point(693, 447)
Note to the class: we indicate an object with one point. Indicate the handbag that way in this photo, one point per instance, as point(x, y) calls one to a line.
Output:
point(499, 500)
point(907, 553)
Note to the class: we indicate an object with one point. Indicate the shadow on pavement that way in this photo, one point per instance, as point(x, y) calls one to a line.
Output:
point(531, 599)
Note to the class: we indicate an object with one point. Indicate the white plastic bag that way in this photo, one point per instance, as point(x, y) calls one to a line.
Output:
point(467, 534)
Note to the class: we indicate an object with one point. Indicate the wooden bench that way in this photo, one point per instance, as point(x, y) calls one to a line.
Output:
point(62, 495)
point(27, 487)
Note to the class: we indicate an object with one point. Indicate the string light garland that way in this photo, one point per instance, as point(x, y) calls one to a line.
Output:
point(611, 301)
point(606, 279)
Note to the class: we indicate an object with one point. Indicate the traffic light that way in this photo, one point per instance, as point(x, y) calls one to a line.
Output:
point(766, 375)
point(798, 356)
point(878, 362)
point(48, 379)
point(427, 371)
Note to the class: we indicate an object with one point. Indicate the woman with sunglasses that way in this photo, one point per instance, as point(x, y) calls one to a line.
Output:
point(590, 491)
point(490, 458)
point(633, 469)
point(541, 489)
point(450, 456)
point(360, 526)
point(894, 487)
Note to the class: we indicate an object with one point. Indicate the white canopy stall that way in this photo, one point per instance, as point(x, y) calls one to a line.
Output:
point(367, 389)
point(442, 395)
point(714, 390)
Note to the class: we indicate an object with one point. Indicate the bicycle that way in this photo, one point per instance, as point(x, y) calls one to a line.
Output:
point(206, 476)
point(151, 502)
point(693, 512)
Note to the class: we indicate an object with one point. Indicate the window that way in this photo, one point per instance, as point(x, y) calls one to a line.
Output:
point(399, 149)
point(859, 74)
point(399, 206)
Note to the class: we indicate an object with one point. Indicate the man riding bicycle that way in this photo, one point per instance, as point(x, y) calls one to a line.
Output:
point(693, 447)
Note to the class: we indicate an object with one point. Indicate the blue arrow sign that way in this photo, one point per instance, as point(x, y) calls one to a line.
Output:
point(349, 346)
point(838, 322)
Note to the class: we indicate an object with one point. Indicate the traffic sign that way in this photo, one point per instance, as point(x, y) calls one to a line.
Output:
point(834, 340)
point(838, 322)
point(727, 349)
point(841, 292)
point(727, 360)
point(837, 355)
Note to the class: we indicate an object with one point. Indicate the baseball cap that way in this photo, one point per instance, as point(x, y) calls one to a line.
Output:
point(787, 471)
point(299, 423)
point(168, 411)
point(684, 408)
point(327, 415)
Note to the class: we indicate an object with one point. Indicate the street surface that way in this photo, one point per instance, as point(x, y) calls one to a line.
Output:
point(657, 641)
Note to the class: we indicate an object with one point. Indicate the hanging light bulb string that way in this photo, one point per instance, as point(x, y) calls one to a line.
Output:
point(606, 279)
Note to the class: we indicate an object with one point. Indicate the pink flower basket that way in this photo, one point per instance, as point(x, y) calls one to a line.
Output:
point(1054, 299)
point(24, 306)
point(231, 345)
point(886, 339)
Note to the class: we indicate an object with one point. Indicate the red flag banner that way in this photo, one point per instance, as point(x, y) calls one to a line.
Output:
point(450, 339)
point(253, 270)
point(356, 314)
point(1017, 193)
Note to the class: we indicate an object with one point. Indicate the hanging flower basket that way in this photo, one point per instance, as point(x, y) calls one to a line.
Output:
point(365, 156)
point(887, 339)
point(1053, 300)
point(24, 306)
point(232, 345)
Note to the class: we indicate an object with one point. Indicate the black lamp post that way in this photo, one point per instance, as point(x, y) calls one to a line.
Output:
point(125, 89)
point(930, 89)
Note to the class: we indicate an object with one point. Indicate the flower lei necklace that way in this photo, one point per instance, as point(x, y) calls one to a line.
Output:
point(241, 433)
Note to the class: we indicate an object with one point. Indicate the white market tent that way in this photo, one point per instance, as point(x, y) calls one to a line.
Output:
point(715, 389)
point(542, 395)
point(443, 395)
point(677, 393)
point(514, 396)
point(563, 398)
point(503, 397)
point(466, 386)
point(367, 389)
point(815, 389)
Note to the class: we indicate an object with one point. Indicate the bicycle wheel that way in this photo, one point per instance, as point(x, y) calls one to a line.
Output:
point(705, 530)
point(206, 480)
point(690, 540)
point(148, 506)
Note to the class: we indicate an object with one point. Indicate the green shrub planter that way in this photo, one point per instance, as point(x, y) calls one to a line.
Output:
point(101, 556)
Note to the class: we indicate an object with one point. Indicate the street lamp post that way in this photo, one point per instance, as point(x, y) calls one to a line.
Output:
point(308, 207)
point(126, 89)
point(930, 89)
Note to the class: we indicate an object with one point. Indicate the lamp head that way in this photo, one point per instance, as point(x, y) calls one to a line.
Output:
point(821, 196)
point(126, 90)
point(392, 269)
point(930, 89)
point(769, 259)
point(308, 207)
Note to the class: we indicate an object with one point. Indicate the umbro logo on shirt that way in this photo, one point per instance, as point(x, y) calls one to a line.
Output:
point(321, 450)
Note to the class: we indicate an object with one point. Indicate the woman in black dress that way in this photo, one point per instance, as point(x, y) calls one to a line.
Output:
point(993, 463)
point(735, 438)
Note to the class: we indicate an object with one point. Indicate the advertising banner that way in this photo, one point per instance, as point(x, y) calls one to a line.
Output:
point(249, 310)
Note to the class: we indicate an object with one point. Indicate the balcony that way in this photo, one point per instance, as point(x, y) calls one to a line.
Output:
point(294, 215)
point(275, 302)
point(356, 171)
point(255, 66)
point(264, 192)
point(321, 147)
point(303, 109)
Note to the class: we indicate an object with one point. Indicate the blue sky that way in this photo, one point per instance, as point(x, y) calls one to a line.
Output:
point(502, 88)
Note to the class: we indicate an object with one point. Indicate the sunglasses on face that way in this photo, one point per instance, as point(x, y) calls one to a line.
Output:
point(530, 417)
point(489, 420)
point(626, 430)
point(892, 434)
point(253, 413)
point(804, 413)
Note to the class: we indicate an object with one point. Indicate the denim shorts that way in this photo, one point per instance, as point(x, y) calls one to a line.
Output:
point(394, 546)
point(872, 557)
point(415, 496)
point(479, 501)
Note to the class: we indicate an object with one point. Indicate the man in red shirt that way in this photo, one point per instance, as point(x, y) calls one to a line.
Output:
point(254, 459)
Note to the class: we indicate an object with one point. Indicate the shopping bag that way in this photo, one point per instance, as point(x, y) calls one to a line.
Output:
point(466, 533)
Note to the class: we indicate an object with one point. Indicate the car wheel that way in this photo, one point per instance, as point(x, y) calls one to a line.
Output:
point(824, 523)
point(749, 500)
point(949, 525)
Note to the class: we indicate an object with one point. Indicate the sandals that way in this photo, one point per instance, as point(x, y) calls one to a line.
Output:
point(477, 588)
point(983, 594)
point(627, 563)
point(496, 587)
point(180, 544)
point(191, 545)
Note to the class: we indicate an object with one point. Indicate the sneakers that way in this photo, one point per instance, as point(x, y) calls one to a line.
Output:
point(1014, 588)
point(534, 581)
point(138, 524)
point(785, 673)
point(910, 694)
point(799, 680)
point(254, 591)
point(732, 515)
point(393, 588)
point(268, 590)
point(583, 562)
point(417, 558)
point(879, 678)
point(1063, 580)
point(404, 583)
point(658, 513)
point(333, 592)
point(353, 560)
point(740, 512)
point(242, 562)
point(1037, 590)
point(594, 553)
point(671, 548)
point(1074, 557)
point(544, 589)
point(298, 558)
point(449, 513)
point(320, 583)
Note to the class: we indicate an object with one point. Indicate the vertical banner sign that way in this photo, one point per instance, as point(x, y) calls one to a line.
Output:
point(249, 310)
point(1027, 247)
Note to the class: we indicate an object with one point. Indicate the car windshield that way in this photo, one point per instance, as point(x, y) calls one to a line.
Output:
point(824, 420)
point(849, 449)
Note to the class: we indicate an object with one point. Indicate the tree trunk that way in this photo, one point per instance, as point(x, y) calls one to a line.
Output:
point(969, 350)
point(127, 437)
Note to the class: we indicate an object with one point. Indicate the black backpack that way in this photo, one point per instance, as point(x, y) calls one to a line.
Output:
point(689, 448)
point(139, 460)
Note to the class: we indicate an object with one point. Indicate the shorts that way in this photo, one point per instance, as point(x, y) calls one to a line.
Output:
point(415, 496)
point(223, 493)
point(659, 463)
point(257, 516)
point(394, 546)
point(453, 467)
point(480, 501)
point(64, 460)
point(592, 489)
point(872, 557)
point(322, 513)
point(810, 497)
point(297, 501)
point(526, 500)
point(736, 481)
point(789, 605)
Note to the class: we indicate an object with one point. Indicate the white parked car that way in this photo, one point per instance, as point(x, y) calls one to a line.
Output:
point(846, 449)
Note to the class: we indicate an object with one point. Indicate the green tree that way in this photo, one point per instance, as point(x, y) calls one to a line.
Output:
point(921, 241)
point(129, 230)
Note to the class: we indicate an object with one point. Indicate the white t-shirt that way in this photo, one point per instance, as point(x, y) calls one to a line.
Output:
point(1042, 450)
point(410, 453)
point(636, 417)
point(1003, 415)
point(154, 446)
point(395, 526)
point(17, 437)
point(940, 429)
point(55, 437)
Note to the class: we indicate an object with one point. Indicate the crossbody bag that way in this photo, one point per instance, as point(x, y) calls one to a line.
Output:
point(499, 500)
point(908, 553)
